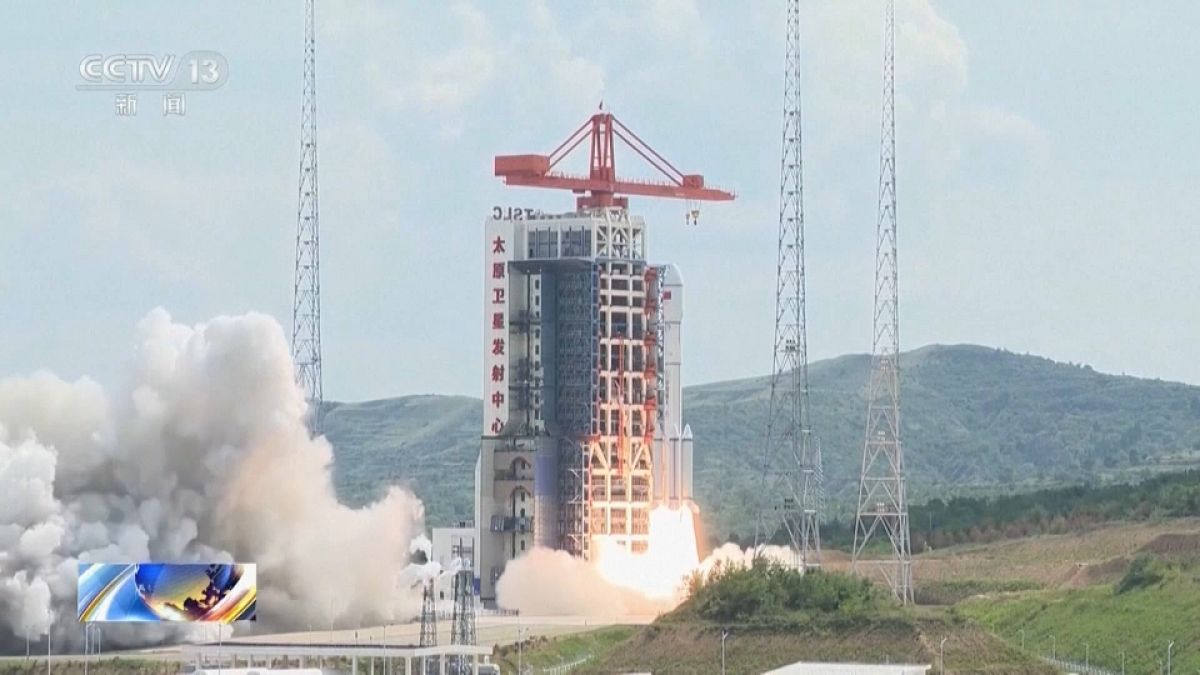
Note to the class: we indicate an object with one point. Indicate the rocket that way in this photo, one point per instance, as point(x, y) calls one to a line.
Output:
point(673, 438)
point(674, 467)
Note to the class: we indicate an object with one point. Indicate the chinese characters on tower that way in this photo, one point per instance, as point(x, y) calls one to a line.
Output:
point(497, 253)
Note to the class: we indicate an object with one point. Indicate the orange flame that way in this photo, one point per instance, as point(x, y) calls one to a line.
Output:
point(660, 572)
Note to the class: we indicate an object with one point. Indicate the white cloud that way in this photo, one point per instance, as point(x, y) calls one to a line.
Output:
point(445, 82)
point(844, 67)
point(480, 64)
point(1006, 125)
point(931, 46)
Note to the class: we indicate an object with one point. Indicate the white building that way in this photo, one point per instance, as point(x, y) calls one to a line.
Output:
point(449, 543)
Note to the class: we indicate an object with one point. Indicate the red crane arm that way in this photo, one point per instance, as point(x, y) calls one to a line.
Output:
point(601, 186)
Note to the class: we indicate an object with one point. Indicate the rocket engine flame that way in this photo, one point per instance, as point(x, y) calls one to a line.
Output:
point(658, 573)
point(617, 581)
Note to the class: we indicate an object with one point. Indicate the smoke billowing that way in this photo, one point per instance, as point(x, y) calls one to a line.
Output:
point(549, 582)
point(618, 582)
point(203, 455)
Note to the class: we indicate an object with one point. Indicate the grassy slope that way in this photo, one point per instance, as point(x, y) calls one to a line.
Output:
point(978, 419)
point(547, 653)
point(695, 647)
point(1065, 560)
point(1139, 621)
point(983, 631)
point(1078, 604)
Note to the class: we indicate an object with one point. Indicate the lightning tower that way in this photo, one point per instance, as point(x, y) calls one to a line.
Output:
point(462, 621)
point(428, 626)
point(792, 458)
point(306, 299)
point(882, 502)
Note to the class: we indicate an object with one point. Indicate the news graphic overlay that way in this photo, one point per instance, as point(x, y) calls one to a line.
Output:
point(192, 592)
point(131, 75)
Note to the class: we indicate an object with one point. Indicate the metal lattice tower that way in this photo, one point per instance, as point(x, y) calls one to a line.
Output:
point(792, 458)
point(306, 299)
point(462, 628)
point(881, 491)
point(428, 626)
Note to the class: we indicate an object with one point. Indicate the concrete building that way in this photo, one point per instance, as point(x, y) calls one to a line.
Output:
point(450, 546)
point(582, 429)
point(449, 543)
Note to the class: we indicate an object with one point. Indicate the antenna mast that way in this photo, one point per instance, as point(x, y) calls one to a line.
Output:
point(881, 491)
point(792, 458)
point(306, 299)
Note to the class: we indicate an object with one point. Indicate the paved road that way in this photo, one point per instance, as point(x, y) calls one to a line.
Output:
point(490, 631)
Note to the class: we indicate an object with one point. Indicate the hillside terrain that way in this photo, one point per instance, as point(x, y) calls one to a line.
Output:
point(774, 616)
point(1099, 591)
point(1126, 608)
point(977, 421)
point(425, 443)
point(696, 648)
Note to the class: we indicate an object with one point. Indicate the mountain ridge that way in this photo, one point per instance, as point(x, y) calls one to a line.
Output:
point(977, 420)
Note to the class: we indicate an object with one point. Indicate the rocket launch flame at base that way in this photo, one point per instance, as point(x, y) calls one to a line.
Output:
point(617, 581)
point(671, 556)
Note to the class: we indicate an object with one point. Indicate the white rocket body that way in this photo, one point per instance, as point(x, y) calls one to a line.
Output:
point(673, 465)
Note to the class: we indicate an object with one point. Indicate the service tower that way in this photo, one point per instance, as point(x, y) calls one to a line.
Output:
point(583, 428)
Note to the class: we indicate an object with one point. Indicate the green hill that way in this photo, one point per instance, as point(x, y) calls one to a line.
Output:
point(1154, 603)
point(426, 443)
point(976, 421)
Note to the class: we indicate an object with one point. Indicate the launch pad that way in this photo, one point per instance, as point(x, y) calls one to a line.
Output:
point(583, 433)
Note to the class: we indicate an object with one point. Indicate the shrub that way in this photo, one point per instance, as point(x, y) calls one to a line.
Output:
point(1145, 570)
point(765, 589)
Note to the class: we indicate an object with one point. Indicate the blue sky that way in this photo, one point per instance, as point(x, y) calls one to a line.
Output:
point(1046, 163)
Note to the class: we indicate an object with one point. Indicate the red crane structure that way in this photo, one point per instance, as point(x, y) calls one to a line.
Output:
point(601, 187)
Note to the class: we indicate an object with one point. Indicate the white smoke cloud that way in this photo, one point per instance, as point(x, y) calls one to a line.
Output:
point(549, 582)
point(203, 456)
point(617, 582)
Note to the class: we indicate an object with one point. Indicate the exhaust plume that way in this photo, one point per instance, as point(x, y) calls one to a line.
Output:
point(204, 455)
point(616, 581)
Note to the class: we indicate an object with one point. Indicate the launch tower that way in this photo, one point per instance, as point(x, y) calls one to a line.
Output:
point(582, 427)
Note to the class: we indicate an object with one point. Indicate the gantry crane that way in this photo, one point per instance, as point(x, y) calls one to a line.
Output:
point(601, 187)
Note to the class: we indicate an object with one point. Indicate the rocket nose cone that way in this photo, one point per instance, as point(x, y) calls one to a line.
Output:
point(687, 431)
